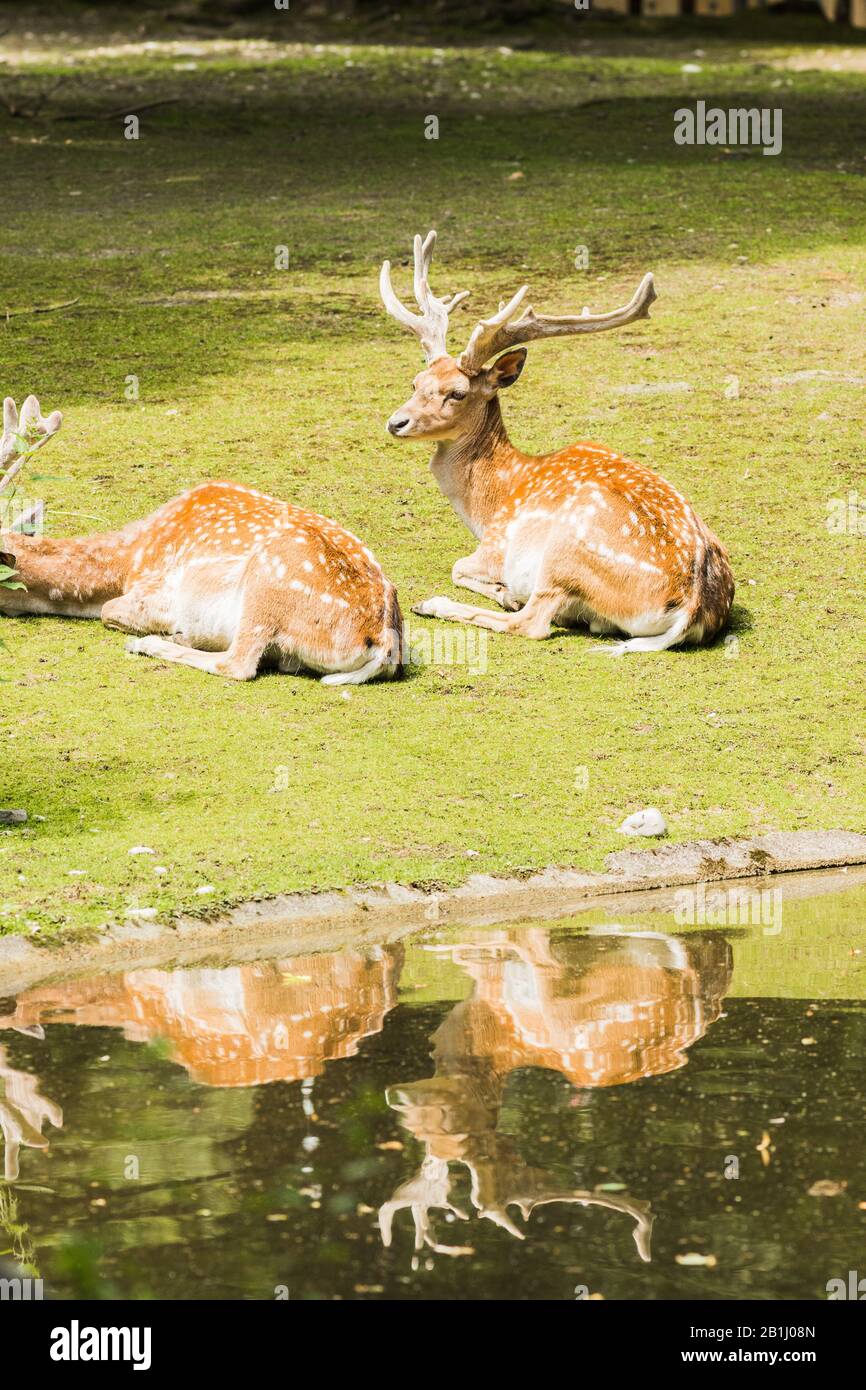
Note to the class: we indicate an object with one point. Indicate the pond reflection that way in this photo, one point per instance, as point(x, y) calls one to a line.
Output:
point(547, 1104)
point(245, 1025)
point(601, 1010)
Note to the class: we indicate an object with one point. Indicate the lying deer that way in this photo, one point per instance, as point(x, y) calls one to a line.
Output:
point(223, 578)
point(578, 536)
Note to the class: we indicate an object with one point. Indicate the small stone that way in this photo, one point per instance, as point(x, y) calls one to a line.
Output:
point(650, 821)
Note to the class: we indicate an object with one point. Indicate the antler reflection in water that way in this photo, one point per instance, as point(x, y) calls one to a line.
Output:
point(430, 1189)
point(23, 1111)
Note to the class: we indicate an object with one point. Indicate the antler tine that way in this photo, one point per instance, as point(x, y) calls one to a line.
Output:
point(423, 255)
point(494, 335)
point(431, 325)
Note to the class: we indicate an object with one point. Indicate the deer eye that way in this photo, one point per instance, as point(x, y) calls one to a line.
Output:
point(456, 396)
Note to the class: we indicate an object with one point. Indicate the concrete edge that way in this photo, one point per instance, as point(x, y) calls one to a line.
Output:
point(305, 922)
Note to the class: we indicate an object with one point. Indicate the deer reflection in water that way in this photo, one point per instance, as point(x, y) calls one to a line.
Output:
point(243, 1025)
point(23, 1112)
point(602, 1010)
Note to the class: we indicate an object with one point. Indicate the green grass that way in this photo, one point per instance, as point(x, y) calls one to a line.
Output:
point(284, 379)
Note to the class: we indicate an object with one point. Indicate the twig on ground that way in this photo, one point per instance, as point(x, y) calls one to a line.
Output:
point(30, 113)
point(41, 308)
point(130, 110)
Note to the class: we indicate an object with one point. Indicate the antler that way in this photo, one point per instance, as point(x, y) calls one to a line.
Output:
point(23, 1111)
point(491, 336)
point(431, 325)
point(500, 1179)
point(430, 1188)
point(23, 434)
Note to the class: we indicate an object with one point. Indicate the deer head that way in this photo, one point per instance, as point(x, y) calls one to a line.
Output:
point(451, 394)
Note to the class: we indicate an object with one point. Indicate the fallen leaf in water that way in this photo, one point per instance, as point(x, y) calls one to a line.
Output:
point(764, 1149)
point(708, 1261)
point(826, 1187)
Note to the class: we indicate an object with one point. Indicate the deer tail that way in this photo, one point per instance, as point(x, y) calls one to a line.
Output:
point(387, 658)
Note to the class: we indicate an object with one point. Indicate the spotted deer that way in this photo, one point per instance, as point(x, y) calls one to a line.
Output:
point(581, 535)
point(222, 578)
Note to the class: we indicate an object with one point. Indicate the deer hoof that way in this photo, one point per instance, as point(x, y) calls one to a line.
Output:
point(139, 646)
point(429, 608)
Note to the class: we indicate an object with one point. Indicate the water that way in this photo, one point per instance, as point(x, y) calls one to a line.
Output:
point(625, 1109)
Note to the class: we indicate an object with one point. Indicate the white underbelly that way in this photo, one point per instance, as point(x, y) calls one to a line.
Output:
point(206, 605)
point(649, 624)
point(520, 571)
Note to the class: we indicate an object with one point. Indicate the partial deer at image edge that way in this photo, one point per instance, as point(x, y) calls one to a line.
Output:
point(222, 578)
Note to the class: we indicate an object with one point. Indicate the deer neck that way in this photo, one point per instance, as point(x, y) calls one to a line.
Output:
point(473, 470)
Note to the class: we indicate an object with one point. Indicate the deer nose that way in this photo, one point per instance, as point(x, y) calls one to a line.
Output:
point(396, 423)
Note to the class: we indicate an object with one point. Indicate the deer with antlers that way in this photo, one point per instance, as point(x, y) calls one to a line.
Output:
point(222, 578)
point(581, 535)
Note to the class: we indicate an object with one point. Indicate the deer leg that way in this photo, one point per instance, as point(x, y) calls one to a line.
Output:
point(462, 613)
point(490, 588)
point(139, 610)
point(239, 663)
point(534, 620)
point(479, 573)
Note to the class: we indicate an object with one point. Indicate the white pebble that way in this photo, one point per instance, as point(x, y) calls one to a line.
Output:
point(142, 849)
point(646, 822)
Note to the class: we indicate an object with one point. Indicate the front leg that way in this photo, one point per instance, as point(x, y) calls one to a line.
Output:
point(482, 573)
point(143, 608)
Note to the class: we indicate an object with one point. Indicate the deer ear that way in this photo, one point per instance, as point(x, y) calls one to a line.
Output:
point(506, 369)
point(10, 415)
